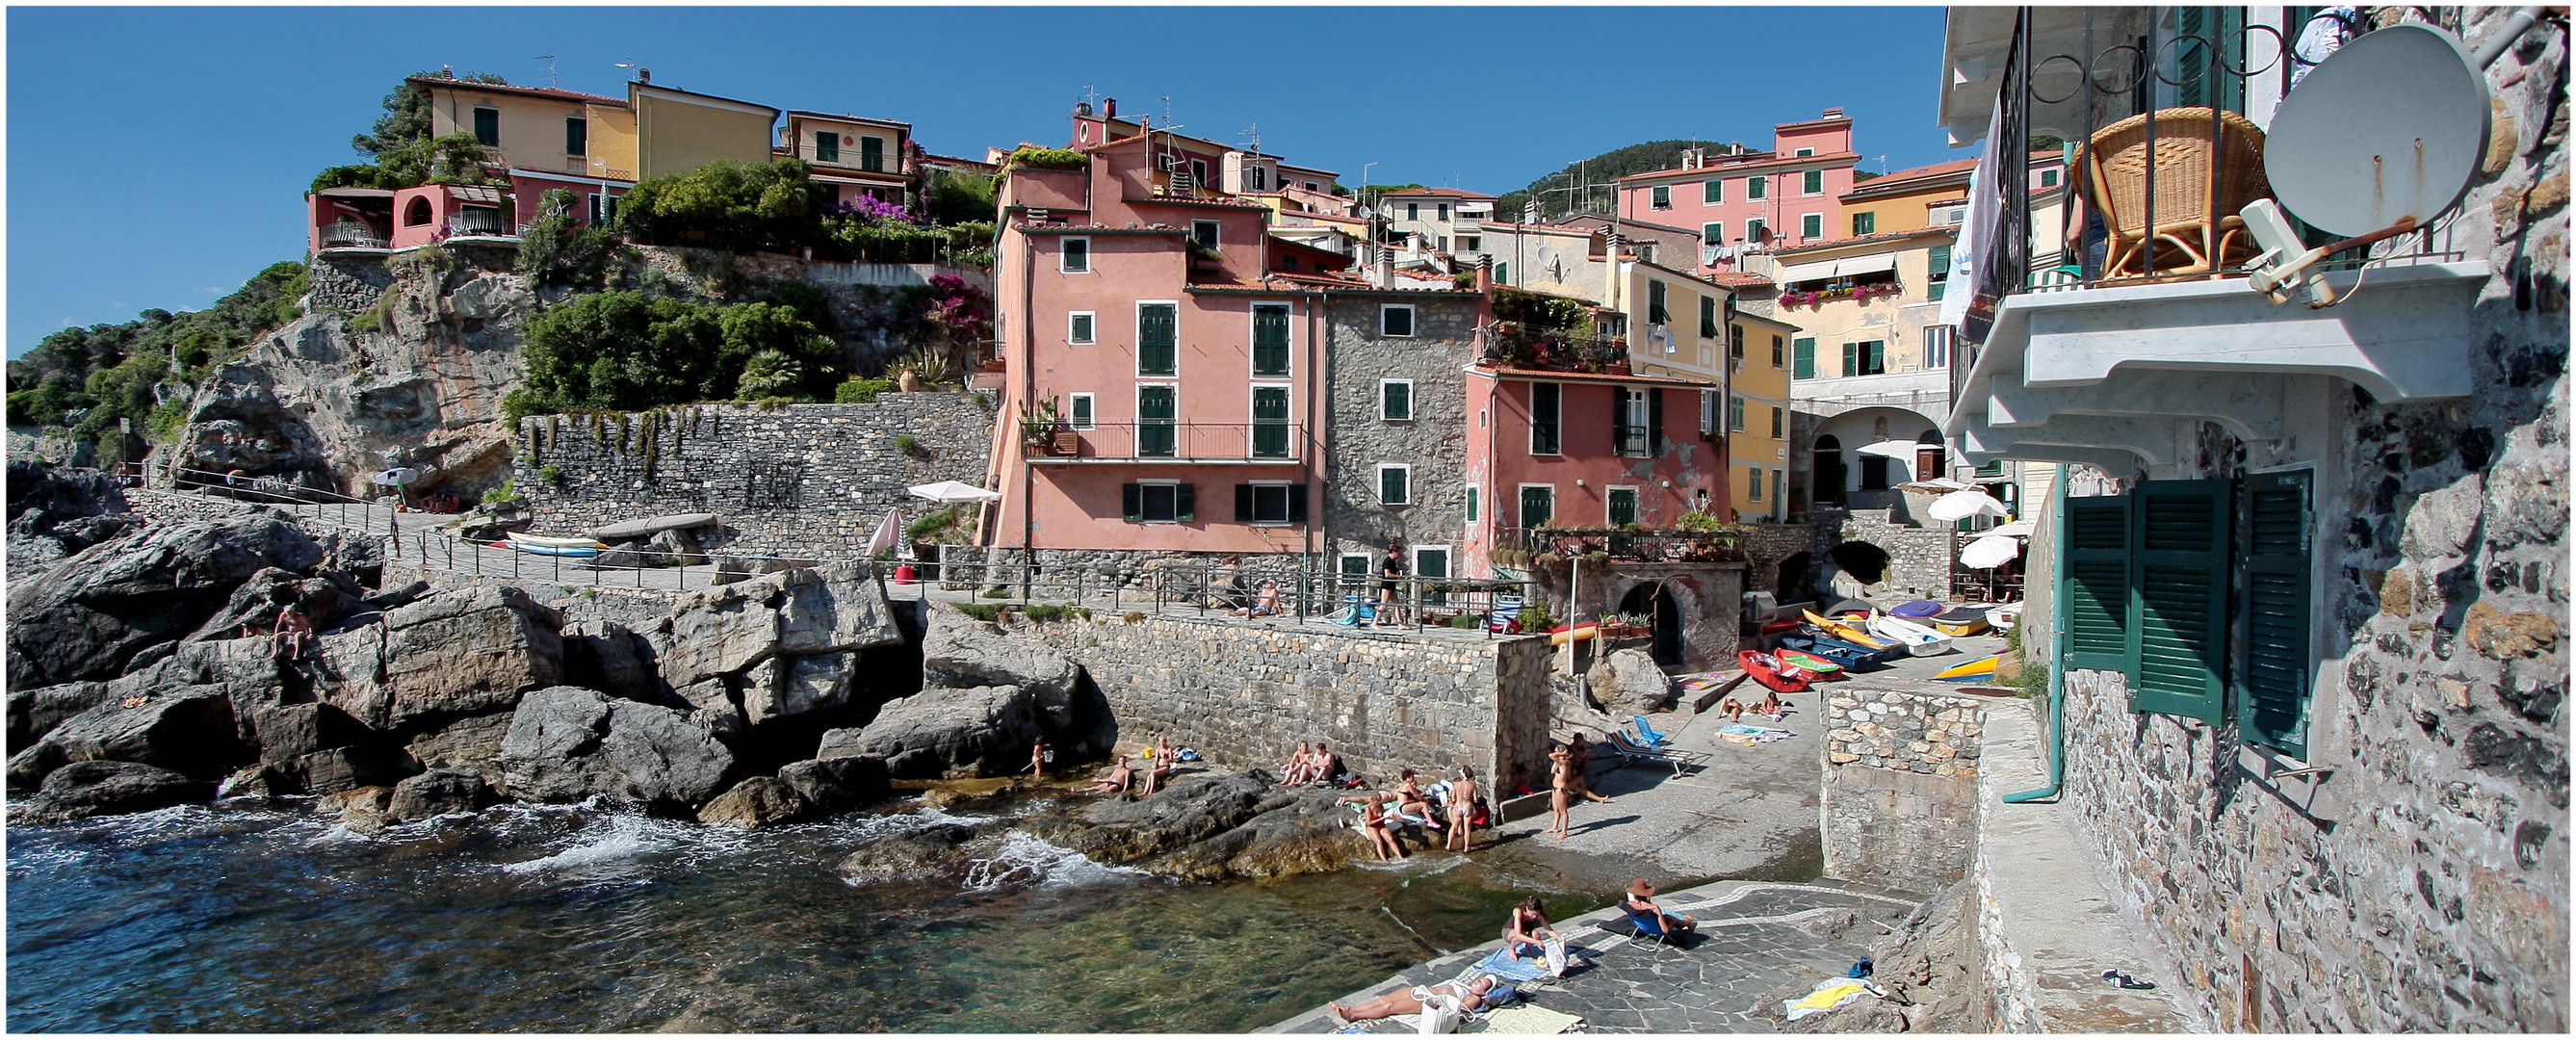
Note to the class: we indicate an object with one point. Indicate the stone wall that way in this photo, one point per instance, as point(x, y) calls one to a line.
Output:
point(157, 506)
point(1432, 442)
point(1918, 558)
point(1708, 598)
point(1767, 546)
point(1900, 792)
point(349, 283)
point(1246, 694)
point(805, 480)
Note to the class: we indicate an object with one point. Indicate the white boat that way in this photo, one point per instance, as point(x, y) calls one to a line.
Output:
point(2004, 617)
point(553, 541)
point(1918, 640)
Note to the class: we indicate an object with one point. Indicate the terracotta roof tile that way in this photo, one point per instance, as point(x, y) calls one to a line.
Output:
point(506, 88)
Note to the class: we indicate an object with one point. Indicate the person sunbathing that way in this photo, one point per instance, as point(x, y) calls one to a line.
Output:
point(1410, 1001)
point(1412, 803)
point(1731, 708)
point(293, 635)
point(1640, 902)
point(1115, 780)
point(1265, 605)
point(1296, 764)
point(1327, 765)
point(1373, 820)
point(1770, 706)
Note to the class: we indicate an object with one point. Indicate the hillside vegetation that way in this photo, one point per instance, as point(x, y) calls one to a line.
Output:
point(1645, 157)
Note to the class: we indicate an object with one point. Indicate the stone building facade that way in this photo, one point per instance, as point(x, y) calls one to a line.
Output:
point(809, 481)
point(1429, 366)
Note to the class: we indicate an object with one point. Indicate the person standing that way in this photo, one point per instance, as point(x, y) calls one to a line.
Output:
point(1462, 811)
point(1039, 756)
point(1390, 577)
point(1579, 755)
point(1561, 794)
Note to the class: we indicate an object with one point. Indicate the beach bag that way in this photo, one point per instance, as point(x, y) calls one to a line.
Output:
point(1482, 815)
point(1556, 959)
point(1440, 1015)
point(1502, 995)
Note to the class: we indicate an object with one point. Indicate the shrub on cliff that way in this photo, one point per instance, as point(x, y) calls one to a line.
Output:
point(112, 370)
point(726, 205)
point(556, 249)
point(626, 351)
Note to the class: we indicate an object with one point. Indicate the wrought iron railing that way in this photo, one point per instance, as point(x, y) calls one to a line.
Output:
point(478, 222)
point(1523, 547)
point(1521, 345)
point(350, 234)
point(1167, 440)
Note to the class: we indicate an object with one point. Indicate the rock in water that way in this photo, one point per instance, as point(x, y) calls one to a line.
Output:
point(469, 651)
point(471, 744)
point(837, 784)
point(1628, 682)
point(756, 802)
point(84, 789)
point(954, 734)
point(922, 855)
point(189, 731)
point(724, 630)
point(1167, 831)
point(34, 713)
point(566, 743)
point(87, 617)
point(438, 793)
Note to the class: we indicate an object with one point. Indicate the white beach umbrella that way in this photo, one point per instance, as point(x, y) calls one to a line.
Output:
point(1960, 505)
point(1899, 450)
point(950, 491)
point(397, 476)
point(2015, 529)
point(889, 533)
point(1989, 551)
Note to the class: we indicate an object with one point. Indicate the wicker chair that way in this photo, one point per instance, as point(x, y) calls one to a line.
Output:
point(2188, 239)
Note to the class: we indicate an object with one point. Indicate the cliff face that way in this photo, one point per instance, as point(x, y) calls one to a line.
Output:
point(325, 404)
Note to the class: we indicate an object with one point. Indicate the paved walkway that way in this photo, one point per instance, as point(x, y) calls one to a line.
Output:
point(1755, 939)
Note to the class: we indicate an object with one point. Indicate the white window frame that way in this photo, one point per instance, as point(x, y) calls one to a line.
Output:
point(1757, 186)
point(1283, 486)
point(1441, 211)
point(1146, 482)
point(1818, 219)
point(1634, 499)
point(1408, 400)
point(1251, 394)
point(1736, 407)
point(1073, 409)
point(1519, 494)
point(1704, 191)
point(1412, 320)
point(1471, 243)
point(1753, 230)
point(1215, 233)
point(1136, 329)
point(1802, 153)
point(1074, 338)
point(1064, 252)
point(1407, 469)
point(1343, 572)
point(1659, 196)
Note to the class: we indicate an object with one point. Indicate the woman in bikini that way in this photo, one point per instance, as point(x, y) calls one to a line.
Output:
point(1579, 755)
point(1373, 820)
point(1296, 764)
point(1462, 811)
point(1528, 932)
point(1561, 776)
point(1410, 801)
point(1410, 1001)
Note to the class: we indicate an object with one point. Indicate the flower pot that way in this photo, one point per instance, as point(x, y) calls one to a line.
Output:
point(908, 381)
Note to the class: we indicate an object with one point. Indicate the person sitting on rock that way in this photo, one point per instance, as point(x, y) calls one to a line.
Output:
point(1770, 706)
point(1578, 754)
point(1373, 821)
point(1266, 604)
point(292, 636)
point(1411, 803)
point(1327, 766)
point(1295, 767)
point(1409, 1001)
point(1114, 781)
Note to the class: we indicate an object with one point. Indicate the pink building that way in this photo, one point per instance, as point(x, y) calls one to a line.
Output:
point(1585, 449)
point(1738, 198)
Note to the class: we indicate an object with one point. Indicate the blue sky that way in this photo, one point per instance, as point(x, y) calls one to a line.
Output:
point(157, 156)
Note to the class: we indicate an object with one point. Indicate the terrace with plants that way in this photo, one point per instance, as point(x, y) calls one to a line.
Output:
point(1549, 333)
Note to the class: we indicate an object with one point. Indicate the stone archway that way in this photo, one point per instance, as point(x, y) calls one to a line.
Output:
point(1866, 563)
point(1656, 601)
point(1797, 582)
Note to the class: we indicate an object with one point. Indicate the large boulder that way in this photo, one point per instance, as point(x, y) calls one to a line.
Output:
point(799, 686)
point(566, 743)
point(471, 744)
point(724, 630)
point(84, 789)
point(959, 652)
point(983, 731)
point(936, 852)
point(55, 512)
point(469, 651)
point(756, 802)
point(1212, 826)
point(88, 616)
point(189, 730)
point(34, 713)
point(334, 770)
point(605, 655)
point(437, 793)
point(1629, 682)
point(834, 785)
point(324, 600)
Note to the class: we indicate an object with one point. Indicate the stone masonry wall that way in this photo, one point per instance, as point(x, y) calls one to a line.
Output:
point(1900, 793)
point(1432, 442)
point(1918, 558)
point(1246, 694)
point(349, 283)
point(804, 480)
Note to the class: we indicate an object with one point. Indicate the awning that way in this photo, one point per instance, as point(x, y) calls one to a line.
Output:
point(1843, 268)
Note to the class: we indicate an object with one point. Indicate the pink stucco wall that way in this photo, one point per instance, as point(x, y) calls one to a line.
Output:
point(1785, 203)
point(1499, 458)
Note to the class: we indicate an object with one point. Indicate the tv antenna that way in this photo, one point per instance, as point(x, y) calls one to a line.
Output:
point(1254, 131)
point(1167, 111)
point(1090, 97)
point(550, 68)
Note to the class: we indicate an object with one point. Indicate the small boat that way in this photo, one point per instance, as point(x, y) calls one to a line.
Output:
point(1821, 668)
point(1852, 658)
point(554, 542)
point(1916, 610)
point(1849, 632)
point(1563, 634)
point(1917, 640)
point(2004, 617)
point(547, 550)
point(1961, 621)
point(1846, 608)
point(1772, 672)
point(1969, 671)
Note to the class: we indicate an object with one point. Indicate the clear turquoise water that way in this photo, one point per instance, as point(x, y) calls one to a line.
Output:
point(579, 919)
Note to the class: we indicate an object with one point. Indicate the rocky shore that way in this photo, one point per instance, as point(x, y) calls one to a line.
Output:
point(140, 678)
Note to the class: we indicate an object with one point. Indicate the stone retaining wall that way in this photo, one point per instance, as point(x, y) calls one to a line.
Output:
point(802, 480)
point(157, 506)
point(1246, 694)
point(1900, 791)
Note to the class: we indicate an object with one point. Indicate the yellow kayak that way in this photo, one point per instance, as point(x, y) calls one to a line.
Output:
point(1573, 634)
point(1981, 668)
point(1847, 632)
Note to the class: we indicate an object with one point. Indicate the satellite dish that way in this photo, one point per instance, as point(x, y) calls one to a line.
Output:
point(2391, 126)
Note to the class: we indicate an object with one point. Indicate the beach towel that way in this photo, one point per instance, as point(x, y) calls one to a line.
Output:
point(1502, 965)
point(1828, 995)
point(1697, 683)
point(1523, 1019)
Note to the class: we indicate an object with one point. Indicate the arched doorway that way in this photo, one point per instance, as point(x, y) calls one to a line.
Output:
point(1829, 470)
point(418, 213)
point(1657, 602)
point(1861, 560)
point(1795, 586)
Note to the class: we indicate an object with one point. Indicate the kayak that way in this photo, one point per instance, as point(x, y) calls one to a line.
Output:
point(1964, 621)
point(1917, 640)
point(1846, 607)
point(546, 550)
point(1916, 610)
point(1852, 658)
point(1981, 668)
point(553, 542)
point(2004, 617)
point(1823, 669)
point(1772, 672)
point(1849, 633)
point(1562, 635)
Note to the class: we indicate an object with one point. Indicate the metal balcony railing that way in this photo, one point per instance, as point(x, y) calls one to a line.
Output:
point(1523, 547)
point(350, 234)
point(477, 222)
point(1152, 440)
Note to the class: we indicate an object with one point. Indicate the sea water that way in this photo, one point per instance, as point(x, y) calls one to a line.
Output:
point(249, 917)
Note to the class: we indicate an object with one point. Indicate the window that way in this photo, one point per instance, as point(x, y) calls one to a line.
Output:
point(487, 127)
point(1775, 352)
point(1538, 504)
point(1655, 312)
point(1937, 279)
point(1471, 243)
point(603, 208)
point(2048, 178)
point(1432, 561)
point(1198, 171)
point(1802, 153)
point(827, 146)
point(1260, 180)
point(1080, 413)
point(1636, 422)
point(1269, 339)
point(1203, 232)
point(1269, 422)
point(1266, 502)
point(872, 154)
point(1354, 567)
point(1713, 233)
point(1074, 257)
point(1735, 342)
point(1757, 188)
point(1310, 186)
point(1546, 401)
point(1157, 339)
point(1157, 432)
point(1811, 225)
point(1873, 472)
point(1395, 399)
point(1621, 505)
point(1864, 224)
point(418, 212)
point(1158, 502)
point(1079, 327)
point(1734, 414)
point(1441, 212)
point(1865, 358)
point(1756, 230)
point(1413, 211)
point(1471, 504)
point(576, 135)
point(1752, 483)
point(1395, 319)
point(1663, 196)
point(1708, 317)
point(1936, 346)
point(1707, 411)
point(1778, 419)
point(1805, 360)
point(1444, 244)
point(1812, 183)
point(1712, 191)
point(1394, 484)
point(1503, 273)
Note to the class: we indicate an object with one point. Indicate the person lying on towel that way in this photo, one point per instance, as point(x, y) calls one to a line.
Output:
point(1409, 1001)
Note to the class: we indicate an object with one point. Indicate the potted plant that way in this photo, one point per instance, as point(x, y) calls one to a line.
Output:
point(1040, 429)
point(907, 381)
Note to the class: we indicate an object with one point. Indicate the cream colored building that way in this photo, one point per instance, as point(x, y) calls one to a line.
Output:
point(852, 155)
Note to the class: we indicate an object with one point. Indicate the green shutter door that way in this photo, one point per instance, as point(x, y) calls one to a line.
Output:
point(827, 146)
point(1538, 506)
point(1269, 341)
point(2178, 598)
point(1803, 361)
point(872, 154)
point(2272, 679)
point(1269, 422)
point(1155, 430)
point(2093, 582)
point(1157, 339)
point(1131, 502)
point(1655, 421)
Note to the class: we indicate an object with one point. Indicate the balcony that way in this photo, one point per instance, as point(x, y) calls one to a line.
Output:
point(1273, 443)
point(1522, 345)
point(1525, 547)
point(350, 234)
point(477, 222)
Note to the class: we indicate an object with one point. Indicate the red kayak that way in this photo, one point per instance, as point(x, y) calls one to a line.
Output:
point(1773, 673)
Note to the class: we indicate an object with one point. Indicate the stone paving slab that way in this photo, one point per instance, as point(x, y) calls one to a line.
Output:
point(1753, 940)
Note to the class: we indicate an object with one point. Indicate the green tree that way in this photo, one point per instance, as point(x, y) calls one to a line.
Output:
point(627, 350)
point(951, 199)
point(557, 249)
point(726, 205)
point(454, 159)
point(407, 116)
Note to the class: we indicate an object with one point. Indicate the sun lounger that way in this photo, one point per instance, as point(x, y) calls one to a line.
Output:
point(1647, 735)
point(1674, 757)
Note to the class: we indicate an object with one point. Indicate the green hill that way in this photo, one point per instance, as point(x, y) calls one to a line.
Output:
point(1600, 169)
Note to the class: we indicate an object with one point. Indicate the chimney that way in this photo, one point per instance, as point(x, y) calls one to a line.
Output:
point(1384, 276)
point(1833, 113)
point(643, 75)
point(1082, 109)
point(1485, 275)
point(1109, 108)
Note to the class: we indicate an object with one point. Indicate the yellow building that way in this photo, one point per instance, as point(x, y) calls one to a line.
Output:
point(677, 131)
point(1930, 196)
point(537, 128)
point(1679, 327)
point(1757, 416)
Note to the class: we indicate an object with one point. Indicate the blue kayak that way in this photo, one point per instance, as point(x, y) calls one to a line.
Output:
point(1851, 657)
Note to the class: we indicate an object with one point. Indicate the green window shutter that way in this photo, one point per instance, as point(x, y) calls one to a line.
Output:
point(1471, 505)
point(1538, 506)
point(1815, 182)
point(1269, 422)
point(1243, 503)
point(2177, 631)
point(2272, 680)
point(1185, 502)
point(1851, 359)
point(827, 146)
point(576, 136)
point(487, 127)
point(2093, 582)
point(1131, 502)
point(1712, 191)
point(1655, 303)
point(1296, 503)
point(1803, 358)
point(1157, 339)
point(872, 154)
point(1270, 341)
point(1708, 317)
